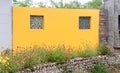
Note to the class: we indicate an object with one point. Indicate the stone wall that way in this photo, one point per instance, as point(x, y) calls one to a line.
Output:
point(103, 26)
point(81, 64)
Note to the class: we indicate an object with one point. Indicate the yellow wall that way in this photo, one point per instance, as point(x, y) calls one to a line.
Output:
point(61, 26)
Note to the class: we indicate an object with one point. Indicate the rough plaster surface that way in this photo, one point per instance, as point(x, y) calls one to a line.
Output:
point(5, 24)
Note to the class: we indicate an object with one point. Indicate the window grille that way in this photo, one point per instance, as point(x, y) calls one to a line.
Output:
point(36, 22)
point(84, 22)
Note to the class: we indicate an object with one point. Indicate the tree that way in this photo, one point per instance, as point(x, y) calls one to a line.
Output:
point(61, 4)
point(96, 4)
point(73, 4)
point(25, 3)
point(41, 4)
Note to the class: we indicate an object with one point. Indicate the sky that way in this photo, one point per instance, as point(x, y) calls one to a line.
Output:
point(48, 1)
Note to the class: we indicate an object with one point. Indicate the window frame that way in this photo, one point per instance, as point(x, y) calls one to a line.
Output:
point(42, 23)
point(83, 28)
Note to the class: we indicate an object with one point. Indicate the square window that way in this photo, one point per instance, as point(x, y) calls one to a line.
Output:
point(84, 22)
point(36, 22)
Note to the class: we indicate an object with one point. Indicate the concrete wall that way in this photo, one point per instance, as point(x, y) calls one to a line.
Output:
point(61, 26)
point(113, 7)
point(109, 5)
point(5, 24)
point(117, 13)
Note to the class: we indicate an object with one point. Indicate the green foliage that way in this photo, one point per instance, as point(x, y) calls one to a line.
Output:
point(25, 3)
point(57, 55)
point(103, 49)
point(4, 64)
point(30, 58)
point(8, 64)
point(89, 52)
point(96, 4)
point(43, 54)
point(27, 58)
point(41, 4)
point(7, 51)
point(13, 66)
point(61, 4)
point(19, 60)
point(100, 68)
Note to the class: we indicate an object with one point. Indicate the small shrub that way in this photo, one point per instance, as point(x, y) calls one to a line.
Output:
point(8, 65)
point(7, 51)
point(58, 54)
point(18, 61)
point(4, 64)
point(30, 58)
point(100, 68)
point(13, 66)
point(89, 52)
point(27, 58)
point(103, 50)
point(43, 54)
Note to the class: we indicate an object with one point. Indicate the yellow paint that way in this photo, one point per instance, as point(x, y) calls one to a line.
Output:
point(61, 26)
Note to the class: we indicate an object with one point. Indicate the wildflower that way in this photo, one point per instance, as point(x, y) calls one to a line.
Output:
point(23, 60)
point(44, 46)
point(69, 49)
point(1, 59)
point(4, 61)
point(28, 56)
point(65, 53)
point(6, 58)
